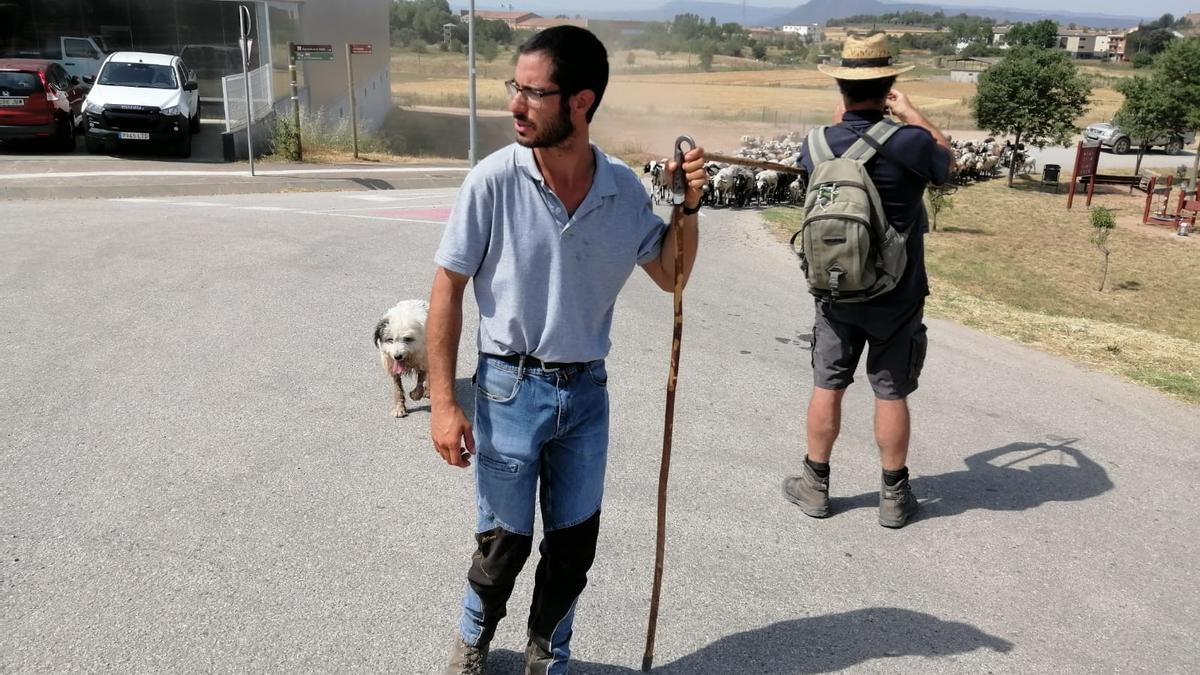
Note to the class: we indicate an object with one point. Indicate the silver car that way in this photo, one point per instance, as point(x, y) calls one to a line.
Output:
point(1111, 136)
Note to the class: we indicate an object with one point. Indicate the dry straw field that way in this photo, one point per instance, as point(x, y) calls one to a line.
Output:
point(741, 96)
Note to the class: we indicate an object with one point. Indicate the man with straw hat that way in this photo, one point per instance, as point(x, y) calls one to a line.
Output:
point(888, 327)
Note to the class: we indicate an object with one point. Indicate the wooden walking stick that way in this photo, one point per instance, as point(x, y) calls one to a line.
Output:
point(678, 190)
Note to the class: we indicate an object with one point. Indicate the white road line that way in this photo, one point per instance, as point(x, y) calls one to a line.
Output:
point(262, 208)
point(378, 208)
point(140, 200)
point(355, 215)
point(214, 204)
point(235, 174)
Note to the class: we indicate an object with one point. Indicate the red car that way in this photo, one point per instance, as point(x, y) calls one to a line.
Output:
point(39, 99)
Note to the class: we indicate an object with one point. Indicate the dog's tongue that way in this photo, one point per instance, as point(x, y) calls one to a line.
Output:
point(399, 368)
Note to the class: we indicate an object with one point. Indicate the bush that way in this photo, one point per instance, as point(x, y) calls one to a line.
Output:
point(285, 142)
point(321, 133)
point(1142, 60)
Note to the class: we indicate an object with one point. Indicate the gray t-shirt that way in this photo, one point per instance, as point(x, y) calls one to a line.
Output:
point(546, 284)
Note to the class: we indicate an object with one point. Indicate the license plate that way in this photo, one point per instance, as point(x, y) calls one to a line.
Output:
point(11, 102)
point(133, 136)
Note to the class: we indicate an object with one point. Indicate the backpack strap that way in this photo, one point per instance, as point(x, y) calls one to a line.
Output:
point(863, 149)
point(818, 147)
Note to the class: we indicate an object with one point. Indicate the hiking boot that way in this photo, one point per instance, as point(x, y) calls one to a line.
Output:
point(896, 504)
point(537, 656)
point(467, 660)
point(808, 491)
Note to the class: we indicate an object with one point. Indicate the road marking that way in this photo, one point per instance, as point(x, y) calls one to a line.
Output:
point(433, 170)
point(140, 200)
point(369, 217)
point(376, 208)
point(215, 204)
point(262, 208)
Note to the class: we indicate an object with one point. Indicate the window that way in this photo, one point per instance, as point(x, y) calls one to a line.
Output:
point(58, 76)
point(18, 83)
point(146, 75)
point(79, 49)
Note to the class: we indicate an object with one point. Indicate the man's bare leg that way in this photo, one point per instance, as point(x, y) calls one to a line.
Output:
point(892, 430)
point(824, 422)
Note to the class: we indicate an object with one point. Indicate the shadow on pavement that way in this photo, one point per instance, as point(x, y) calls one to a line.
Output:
point(818, 644)
point(1014, 484)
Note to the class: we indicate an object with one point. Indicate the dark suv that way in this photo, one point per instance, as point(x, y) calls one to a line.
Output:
point(39, 99)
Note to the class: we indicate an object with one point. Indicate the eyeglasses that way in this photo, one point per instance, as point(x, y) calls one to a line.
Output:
point(531, 95)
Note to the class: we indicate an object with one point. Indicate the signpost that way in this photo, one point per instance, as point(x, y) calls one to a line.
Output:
point(295, 99)
point(1087, 161)
point(246, 44)
point(351, 50)
point(313, 52)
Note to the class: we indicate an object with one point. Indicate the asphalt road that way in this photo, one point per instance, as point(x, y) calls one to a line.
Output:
point(199, 472)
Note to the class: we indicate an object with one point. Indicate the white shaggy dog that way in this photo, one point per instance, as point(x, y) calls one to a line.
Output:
point(400, 337)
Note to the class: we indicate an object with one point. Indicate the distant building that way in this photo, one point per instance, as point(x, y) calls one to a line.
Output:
point(1116, 46)
point(812, 30)
point(1000, 36)
point(1081, 44)
point(510, 18)
point(969, 68)
point(541, 23)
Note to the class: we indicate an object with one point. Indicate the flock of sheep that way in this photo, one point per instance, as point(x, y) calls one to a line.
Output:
point(740, 186)
point(983, 160)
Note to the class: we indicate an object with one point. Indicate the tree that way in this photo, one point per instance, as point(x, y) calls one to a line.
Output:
point(760, 51)
point(1103, 224)
point(1147, 112)
point(706, 59)
point(1033, 94)
point(939, 200)
point(1178, 74)
point(1042, 34)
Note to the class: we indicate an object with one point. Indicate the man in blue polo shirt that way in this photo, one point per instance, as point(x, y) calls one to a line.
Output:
point(889, 328)
point(549, 229)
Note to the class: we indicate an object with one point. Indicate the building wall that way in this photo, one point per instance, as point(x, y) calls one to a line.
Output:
point(338, 22)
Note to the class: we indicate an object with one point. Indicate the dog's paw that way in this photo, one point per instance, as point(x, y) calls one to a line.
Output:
point(399, 410)
point(418, 393)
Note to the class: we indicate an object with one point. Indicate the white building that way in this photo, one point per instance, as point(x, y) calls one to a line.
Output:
point(809, 30)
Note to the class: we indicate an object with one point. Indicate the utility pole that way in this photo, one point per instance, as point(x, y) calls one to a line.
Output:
point(246, 45)
point(471, 84)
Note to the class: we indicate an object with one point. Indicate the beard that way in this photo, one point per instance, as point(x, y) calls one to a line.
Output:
point(551, 133)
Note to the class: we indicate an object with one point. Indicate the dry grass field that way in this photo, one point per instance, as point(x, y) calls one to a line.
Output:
point(757, 98)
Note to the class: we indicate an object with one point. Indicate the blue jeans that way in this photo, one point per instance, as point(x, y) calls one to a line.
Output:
point(540, 435)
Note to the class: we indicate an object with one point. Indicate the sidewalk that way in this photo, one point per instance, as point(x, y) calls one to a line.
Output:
point(69, 177)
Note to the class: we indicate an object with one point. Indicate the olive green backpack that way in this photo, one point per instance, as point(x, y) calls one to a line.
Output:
point(848, 250)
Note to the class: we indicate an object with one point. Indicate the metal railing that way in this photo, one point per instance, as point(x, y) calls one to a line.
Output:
point(233, 90)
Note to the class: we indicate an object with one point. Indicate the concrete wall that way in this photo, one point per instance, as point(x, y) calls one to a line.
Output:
point(337, 22)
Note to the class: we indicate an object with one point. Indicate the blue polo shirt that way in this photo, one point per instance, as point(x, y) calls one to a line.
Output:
point(901, 189)
point(545, 282)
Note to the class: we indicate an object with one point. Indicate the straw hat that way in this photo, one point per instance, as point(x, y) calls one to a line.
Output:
point(865, 59)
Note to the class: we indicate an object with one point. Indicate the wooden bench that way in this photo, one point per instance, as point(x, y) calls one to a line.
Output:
point(1143, 182)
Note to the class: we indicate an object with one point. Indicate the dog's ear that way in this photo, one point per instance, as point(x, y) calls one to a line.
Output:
point(379, 330)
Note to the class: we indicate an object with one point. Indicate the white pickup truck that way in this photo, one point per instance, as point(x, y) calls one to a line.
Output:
point(80, 56)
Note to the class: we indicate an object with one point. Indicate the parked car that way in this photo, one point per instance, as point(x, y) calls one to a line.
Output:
point(39, 99)
point(1111, 136)
point(143, 98)
point(80, 56)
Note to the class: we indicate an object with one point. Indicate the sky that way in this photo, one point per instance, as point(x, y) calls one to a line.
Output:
point(1149, 8)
